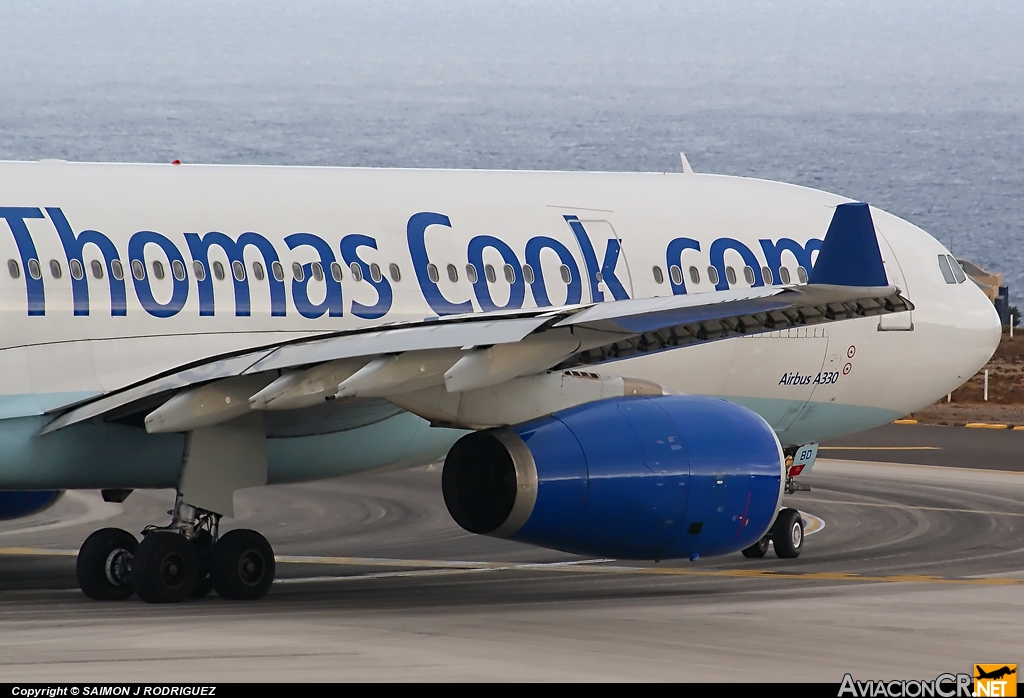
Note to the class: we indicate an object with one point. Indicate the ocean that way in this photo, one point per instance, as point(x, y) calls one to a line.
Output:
point(915, 107)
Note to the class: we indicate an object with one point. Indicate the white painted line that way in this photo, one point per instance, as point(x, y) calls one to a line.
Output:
point(812, 524)
point(442, 572)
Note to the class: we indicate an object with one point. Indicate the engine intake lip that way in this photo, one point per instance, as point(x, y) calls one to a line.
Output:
point(489, 482)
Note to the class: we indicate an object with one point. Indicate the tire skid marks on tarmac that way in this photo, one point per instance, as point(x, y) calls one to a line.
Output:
point(449, 567)
point(887, 533)
point(435, 568)
point(972, 527)
point(362, 515)
point(95, 510)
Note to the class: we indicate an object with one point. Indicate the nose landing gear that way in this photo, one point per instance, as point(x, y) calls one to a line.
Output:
point(786, 534)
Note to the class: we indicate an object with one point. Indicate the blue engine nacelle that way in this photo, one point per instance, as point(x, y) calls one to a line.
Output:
point(640, 478)
point(14, 504)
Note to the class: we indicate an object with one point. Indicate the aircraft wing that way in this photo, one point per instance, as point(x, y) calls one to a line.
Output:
point(424, 366)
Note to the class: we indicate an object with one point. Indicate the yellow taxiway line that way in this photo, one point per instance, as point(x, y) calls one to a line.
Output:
point(879, 448)
point(418, 567)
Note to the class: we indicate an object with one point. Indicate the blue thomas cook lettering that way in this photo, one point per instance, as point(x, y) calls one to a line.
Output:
point(150, 252)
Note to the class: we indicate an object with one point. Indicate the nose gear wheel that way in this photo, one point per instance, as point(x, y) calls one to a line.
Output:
point(788, 534)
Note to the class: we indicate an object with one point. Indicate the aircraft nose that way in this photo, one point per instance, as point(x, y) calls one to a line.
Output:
point(980, 328)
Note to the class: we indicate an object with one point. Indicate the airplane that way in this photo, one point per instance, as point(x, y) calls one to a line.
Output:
point(622, 365)
point(996, 673)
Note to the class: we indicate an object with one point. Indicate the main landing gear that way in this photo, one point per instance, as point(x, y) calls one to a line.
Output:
point(786, 534)
point(186, 559)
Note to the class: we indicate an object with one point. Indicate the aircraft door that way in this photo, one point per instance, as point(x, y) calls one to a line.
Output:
point(838, 363)
point(774, 373)
point(895, 321)
point(610, 256)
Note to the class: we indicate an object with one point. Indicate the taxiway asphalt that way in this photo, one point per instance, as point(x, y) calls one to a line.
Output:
point(918, 571)
point(930, 444)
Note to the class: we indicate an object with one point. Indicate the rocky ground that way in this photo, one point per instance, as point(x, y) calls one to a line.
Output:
point(1005, 403)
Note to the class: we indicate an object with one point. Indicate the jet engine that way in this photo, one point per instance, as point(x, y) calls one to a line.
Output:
point(647, 478)
point(15, 504)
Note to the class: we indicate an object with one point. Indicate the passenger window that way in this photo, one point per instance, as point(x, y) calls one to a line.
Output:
point(178, 269)
point(801, 275)
point(199, 270)
point(659, 276)
point(453, 273)
point(510, 273)
point(396, 273)
point(55, 271)
point(471, 274)
point(958, 271)
point(238, 270)
point(377, 276)
point(257, 271)
point(947, 272)
point(432, 273)
point(766, 274)
point(117, 270)
point(694, 275)
point(158, 269)
point(529, 278)
point(748, 275)
point(76, 270)
point(730, 275)
point(490, 274)
point(278, 269)
point(318, 271)
point(565, 274)
point(784, 276)
point(218, 271)
point(297, 273)
point(13, 269)
point(97, 269)
point(336, 271)
point(138, 270)
point(713, 275)
point(357, 271)
point(677, 275)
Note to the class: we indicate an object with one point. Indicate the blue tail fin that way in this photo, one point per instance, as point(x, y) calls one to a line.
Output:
point(849, 253)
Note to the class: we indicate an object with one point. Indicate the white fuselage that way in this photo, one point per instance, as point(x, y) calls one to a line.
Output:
point(406, 245)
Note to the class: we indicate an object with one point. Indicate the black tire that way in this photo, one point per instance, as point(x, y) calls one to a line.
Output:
point(165, 568)
point(242, 565)
point(788, 534)
point(758, 549)
point(203, 544)
point(104, 565)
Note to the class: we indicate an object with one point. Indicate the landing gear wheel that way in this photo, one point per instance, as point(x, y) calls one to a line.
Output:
point(203, 544)
point(242, 565)
point(165, 568)
point(758, 549)
point(788, 534)
point(104, 565)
